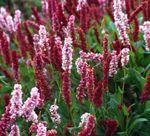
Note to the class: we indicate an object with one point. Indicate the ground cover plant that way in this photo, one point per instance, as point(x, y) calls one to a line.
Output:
point(75, 67)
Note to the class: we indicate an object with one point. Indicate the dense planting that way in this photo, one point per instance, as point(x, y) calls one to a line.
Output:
point(75, 68)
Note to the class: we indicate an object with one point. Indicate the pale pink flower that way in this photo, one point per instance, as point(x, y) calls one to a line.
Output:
point(30, 104)
point(7, 22)
point(41, 129)
point(16, 101)
point(91, 56)
point(14, 131)
point(10, 24)
point(124, 56)
point(55, 117)
point(45, 6)
point(146, 29)
point(121, 22)
point(43, 35)
point(67, 53)
point(81, 4)
point(113, 64)
point(17, 19)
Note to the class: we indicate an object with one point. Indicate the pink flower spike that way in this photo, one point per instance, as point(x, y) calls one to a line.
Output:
point(45, 7)
point(81, 4)
point(14, 131)
point(124, 56)
point(30, 104)
point(41, 129)
point(91, 56)
point(88, 124)
point(67, 53)
point(113, 64)
point(121, 22)
point(16, 101)
point(55, 117)
point(17, 19)
point(146, 29)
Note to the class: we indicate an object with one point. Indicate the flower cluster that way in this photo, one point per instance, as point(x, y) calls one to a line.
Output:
point(67, 52)
point(81, 4)
point(121, 22)
point(124, 56)
point(16, 101)
point(41, 130)
point(13, 110)
point(81, 69)
point(7, 22)
point(43, 35)
point(146, 29)
point(91, 56)
point(146, 91)
point(30, 104)
point(14, 131)
point(113, 64)
point(87, 80)
point(111, 126)
point(45, 6)
point(88, 124)
point(54, 115)
point(4, 47)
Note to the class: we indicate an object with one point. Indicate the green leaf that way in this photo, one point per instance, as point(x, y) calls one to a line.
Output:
point(135, 123)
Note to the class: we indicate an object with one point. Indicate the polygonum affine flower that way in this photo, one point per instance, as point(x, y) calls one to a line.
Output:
point(67, 52)
point(14, 131)
point(90, 83)
point(7, 22)
point(113, 64)
point(121, 22)
point(45, 6)
point(82, 70)
point(15, 66)
point(146, 29)
point(43, 36)
point(71, 26)
point(98, 95)
point(124, 56)
point(55, 117)
point(146, 91)
point(4, 47)
point(81, 4)
point(66, 88)
point(41, 129)
point(91, 56)
point(51, 132)
point(111, 126)
point(30, 104)
point(16, 101)
point(88, 124)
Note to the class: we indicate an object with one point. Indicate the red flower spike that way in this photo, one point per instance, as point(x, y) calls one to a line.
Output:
point(106, 62)
point(90, 82)
point(4, 46)
point(98, 95)
point(146, 91)
point(111, 126)
point(88, 128)
point(22, 42)
point(83, 43)
point(15, 66)
point(66, 87)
